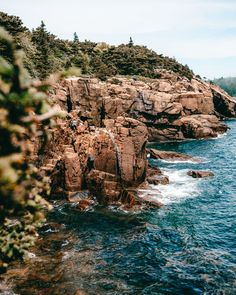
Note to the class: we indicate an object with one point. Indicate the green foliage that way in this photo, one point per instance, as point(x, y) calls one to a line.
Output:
point(44, 58)
point(13, 24)
point(21, 187)
point(45, 54)
point(228, 84)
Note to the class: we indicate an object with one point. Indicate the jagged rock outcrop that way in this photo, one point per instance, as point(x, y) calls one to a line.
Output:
point(224, 105)
point(117, 155)
point(172, 107)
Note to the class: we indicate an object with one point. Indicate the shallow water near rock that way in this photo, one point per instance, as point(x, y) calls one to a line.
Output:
point(186, 247)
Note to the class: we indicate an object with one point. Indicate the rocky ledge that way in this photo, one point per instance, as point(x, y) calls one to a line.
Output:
point(101, 144)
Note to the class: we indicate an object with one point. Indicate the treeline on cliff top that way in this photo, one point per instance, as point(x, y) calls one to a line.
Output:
point(46, 54)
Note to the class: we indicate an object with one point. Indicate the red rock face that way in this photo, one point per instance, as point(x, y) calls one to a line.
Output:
point(73, 172)
point(129, 140)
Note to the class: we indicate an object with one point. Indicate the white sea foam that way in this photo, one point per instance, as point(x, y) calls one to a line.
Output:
point(181, 187)
point(220, 135)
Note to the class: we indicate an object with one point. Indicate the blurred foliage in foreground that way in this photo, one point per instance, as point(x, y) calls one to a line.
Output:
point(46, 54)
point(22, 104)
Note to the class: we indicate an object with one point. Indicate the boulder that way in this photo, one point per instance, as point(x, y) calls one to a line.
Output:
point(152, 171)
point(84, 204)
point(150, 199)
point(104, 186)
point(158, 179)
point(196, 102)
point(201, 126)
point(200, 174)
point(155, 176)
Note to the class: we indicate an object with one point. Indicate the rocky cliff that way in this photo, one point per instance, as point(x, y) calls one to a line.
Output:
point(172, 107)
point(101, 144)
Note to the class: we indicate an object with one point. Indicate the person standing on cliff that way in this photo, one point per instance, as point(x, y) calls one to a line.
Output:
point(102, 111)
point(90, 163)
point(73, 124)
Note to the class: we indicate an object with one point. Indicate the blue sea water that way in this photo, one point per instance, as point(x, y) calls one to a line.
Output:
point(186, 247)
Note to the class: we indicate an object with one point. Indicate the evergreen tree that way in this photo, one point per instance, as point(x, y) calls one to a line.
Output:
point(76, 38)
point(41, 39)
point(13, 24)
point(131, 43)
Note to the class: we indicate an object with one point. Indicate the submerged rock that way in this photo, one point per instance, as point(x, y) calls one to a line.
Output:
point(84, 204)
point(200, 174)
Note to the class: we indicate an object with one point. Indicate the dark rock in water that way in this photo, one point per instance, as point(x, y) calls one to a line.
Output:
point(84, 204)
point(151, 171)
point(200, 174)
point(158, 179)
point(155, 176)
point(171, 156)
point(149, 199)
point(104, 186)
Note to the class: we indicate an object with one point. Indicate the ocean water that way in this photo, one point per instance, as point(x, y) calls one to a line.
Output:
point(186, 247)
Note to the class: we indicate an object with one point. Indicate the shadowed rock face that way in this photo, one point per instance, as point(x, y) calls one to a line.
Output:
point(171, 107)
point(224, 105)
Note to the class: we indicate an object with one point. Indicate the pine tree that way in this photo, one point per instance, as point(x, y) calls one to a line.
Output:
point(41, 38)
point(13, 24)
point(76, 38)
point(131, 43)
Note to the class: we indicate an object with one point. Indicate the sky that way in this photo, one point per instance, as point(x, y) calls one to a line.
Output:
point(200, 33)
